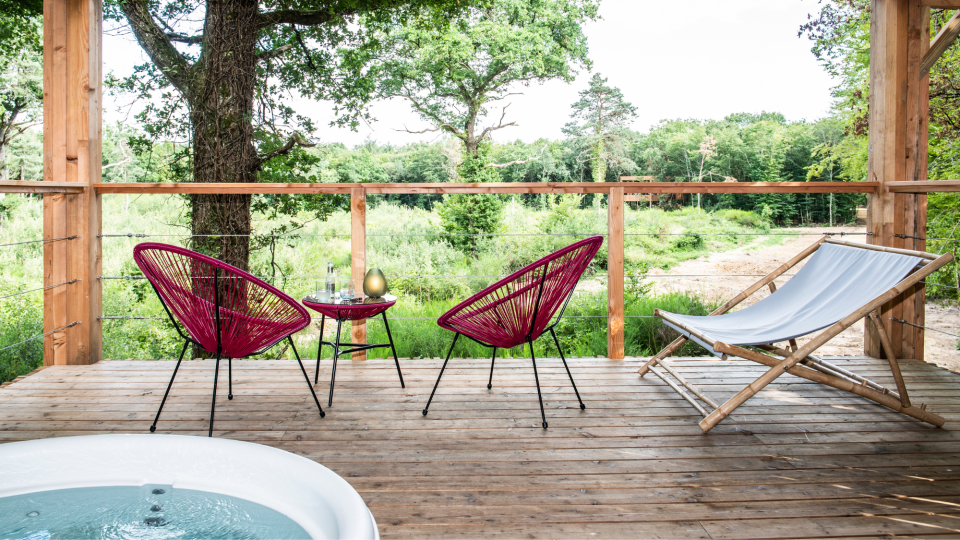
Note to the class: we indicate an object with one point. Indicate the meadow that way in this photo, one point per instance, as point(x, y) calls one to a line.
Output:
point(426, 273)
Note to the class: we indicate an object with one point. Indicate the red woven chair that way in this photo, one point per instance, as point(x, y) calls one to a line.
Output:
point(521, 307)
point(222, 309)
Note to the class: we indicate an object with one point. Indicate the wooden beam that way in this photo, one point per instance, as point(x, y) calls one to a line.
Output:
point(910, 210)
point(358, 259)
point(174, 188)
point(71, 162)
point(941, 4)
point(615, 262)
point(924, 186)
point(17, 186)
point(899, 114)
point(503, 187)
point(54, 170)
point(947, 35)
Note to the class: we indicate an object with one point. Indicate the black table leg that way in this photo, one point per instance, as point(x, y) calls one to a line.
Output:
point(323, 319)
point(394, 349)
point(336, 354)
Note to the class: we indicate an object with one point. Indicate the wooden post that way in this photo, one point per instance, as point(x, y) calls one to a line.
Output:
point(358, 258)
point(615, 311)
point(898, 152)
point(71, 153)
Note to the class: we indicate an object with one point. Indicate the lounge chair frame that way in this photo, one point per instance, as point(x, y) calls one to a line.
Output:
point(800, 361)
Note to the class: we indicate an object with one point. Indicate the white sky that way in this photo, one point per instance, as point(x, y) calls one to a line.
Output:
point(698, 59)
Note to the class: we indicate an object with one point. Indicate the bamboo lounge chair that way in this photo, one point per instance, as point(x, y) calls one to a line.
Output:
point(842, 283)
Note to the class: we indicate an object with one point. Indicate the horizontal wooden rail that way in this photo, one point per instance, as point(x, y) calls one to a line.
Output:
point(941, 4)
point(924, 186)
point(24, 186)
point(215, 188)
point(502, 187)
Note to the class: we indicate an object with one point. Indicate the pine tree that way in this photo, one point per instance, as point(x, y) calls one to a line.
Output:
point(601, 127)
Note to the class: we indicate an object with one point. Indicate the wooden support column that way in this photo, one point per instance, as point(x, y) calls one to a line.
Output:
point(615, 309)
point(899, 112)
point(71, 153)
point(358, 258)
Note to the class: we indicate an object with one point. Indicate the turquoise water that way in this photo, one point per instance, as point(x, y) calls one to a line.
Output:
point(151, 512)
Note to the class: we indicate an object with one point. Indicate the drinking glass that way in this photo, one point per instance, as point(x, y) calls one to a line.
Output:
point(321, 294)
point(346, 291)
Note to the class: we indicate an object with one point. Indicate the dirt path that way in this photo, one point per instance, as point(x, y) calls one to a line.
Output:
point(711, 276)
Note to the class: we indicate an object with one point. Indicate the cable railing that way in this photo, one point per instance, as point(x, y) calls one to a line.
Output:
point(643, 277)
point(87, 254)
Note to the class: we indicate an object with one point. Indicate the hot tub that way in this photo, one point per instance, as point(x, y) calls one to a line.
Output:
point(316, 498)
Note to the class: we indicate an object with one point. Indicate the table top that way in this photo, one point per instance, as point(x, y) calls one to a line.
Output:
point(356, 302)
point(350, 309)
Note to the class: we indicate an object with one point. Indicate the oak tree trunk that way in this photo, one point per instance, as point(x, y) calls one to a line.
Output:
point(221, 109)
point(221, 117)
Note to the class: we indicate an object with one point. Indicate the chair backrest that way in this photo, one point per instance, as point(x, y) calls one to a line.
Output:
point(252, 313)
point(520, 306)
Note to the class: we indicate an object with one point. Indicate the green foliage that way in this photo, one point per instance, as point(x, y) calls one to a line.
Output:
point(21, 96)
point(21, 30)
point(21, 318)
point(943, 210)
point(470, 217)
point(752, 148)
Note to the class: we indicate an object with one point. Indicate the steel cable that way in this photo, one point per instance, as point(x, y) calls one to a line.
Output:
point(40, 289)
point(44, 240)
point(45, 334)
point(901, 321)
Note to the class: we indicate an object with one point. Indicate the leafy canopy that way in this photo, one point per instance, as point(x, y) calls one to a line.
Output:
point(305, 49)
point(452, 73)
point(20, 28)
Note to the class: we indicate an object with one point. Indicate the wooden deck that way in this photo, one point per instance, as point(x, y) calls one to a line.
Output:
point(798, 460)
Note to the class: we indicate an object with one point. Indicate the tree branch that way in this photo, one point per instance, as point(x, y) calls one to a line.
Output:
point(181, 38)
point(424, 112)
point(500, 125)
point(515, 162)
point(295, 139)
point(303, 47)
point(302, 17)
point(157, 45)
point(266, 55)
point(447, 127)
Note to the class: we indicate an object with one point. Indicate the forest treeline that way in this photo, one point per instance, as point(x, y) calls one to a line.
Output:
point(742, 147)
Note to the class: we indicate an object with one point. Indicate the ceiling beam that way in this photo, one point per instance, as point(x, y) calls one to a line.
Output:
point(941, 4)
point(948, 34)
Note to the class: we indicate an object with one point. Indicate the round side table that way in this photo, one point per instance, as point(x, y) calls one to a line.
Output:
point(347, 310)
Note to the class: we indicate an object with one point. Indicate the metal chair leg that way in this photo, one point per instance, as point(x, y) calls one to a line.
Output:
point(229, 378)
point(441, 373)
point(492, 360)
point(557, 341)
point(543, 415)
point(336, 355)
point(167, 393)
point(323, 320)
point(392, 348)
point(306, 377)
point(213, 402)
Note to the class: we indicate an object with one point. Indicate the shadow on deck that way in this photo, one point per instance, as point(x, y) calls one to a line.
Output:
point(798, 460)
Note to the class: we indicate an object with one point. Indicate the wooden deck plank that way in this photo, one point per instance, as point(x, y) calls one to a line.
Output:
point(798, 460)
